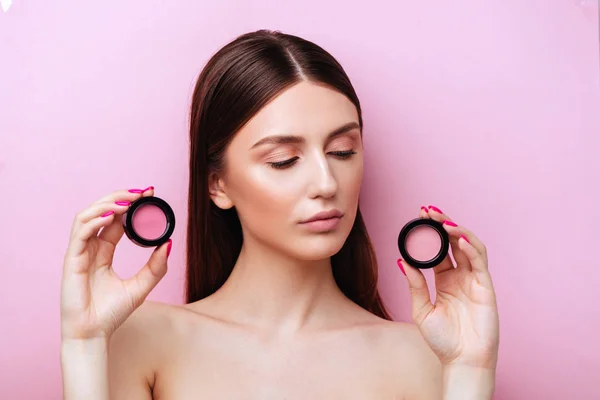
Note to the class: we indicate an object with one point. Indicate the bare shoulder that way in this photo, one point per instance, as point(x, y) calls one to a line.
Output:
point(419, 369)
point(141, 343)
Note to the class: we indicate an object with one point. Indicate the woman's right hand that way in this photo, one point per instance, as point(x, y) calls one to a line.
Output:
point(94, 300)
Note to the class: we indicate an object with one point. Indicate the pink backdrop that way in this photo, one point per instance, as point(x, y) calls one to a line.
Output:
point(488, 110)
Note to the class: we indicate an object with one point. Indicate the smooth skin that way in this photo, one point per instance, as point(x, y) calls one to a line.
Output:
point(279, 327)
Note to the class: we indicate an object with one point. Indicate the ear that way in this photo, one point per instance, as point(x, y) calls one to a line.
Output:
point(216, 190)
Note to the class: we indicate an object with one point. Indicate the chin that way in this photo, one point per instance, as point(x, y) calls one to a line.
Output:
point(319, 246)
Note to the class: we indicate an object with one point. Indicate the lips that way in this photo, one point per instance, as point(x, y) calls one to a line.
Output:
point(324, 215)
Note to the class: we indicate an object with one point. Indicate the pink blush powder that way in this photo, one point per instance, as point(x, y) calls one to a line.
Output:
point(423, 243)
point(149, 222)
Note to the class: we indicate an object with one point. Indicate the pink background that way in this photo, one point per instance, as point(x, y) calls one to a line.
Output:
point(488, 110)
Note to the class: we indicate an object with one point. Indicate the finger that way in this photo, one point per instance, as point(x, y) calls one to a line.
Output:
point(447, 263)
point(89, 221)
point(127, 195)
point(109, 237)
point(444, 266)
point(119, 195)
point(114, 201)
point(80, 237)
point(113, 233)
point(478, 262)
point(419, 291)
point(474, 241)
point(140, 285)
point(453, 229)
point(438, 215)
point(97, 209)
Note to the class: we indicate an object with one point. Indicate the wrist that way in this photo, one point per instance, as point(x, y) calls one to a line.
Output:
point(466, 382)
point(92, 351)
point(88, 345)
point(85, 368)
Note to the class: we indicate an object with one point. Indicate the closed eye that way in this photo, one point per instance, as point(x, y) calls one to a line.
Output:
point(288, 163)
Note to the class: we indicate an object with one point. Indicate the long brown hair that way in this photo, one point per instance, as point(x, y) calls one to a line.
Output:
point(234, 85)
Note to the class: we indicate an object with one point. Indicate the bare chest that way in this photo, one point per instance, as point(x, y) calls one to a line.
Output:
point(246, 369)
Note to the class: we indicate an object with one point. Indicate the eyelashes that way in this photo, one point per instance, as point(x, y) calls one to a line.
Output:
point(288, 163)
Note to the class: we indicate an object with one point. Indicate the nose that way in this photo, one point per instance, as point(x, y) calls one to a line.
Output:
point(321, 181)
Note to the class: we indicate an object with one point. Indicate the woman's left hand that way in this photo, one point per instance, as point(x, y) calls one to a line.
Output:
point(462, 327)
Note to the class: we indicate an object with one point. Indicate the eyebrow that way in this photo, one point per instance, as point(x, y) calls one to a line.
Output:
point(285, 139)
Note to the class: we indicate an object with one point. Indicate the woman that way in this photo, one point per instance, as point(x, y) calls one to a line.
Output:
point(277, 307)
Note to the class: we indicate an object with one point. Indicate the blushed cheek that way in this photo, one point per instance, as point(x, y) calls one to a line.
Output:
point(261, 202)
point(274, 187)
point(352, 180)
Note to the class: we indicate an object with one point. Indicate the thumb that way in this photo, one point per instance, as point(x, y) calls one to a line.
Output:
point(140, 285)
point(419, 291)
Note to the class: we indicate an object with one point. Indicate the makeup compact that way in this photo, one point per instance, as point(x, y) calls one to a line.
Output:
point(149, 221)
point(423, 243)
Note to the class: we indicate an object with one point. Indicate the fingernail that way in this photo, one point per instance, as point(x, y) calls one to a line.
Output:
point(464, 237)
point(424, 208)
point(434, 208)
point(106, 214)
point(122, 203)
point(149, 188)
point(450, 223)
point(136, 191)
point(401, 267)
point(169, 247)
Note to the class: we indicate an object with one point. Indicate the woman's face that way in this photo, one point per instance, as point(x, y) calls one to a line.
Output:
point(320, 169)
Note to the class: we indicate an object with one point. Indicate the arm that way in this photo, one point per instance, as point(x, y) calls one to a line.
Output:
point(115, 368)
point(133, 355)
point(462, 327)
point(95, 301)
point(468, 383)
point(84, 369)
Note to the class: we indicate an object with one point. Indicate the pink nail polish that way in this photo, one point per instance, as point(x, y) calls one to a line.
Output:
point(136, 191)
point(106, 214)
point(434, 208)
point(169, 247)
point(122, 203)
point(424, 208)
point(149, 188)
point(450, 223)
point(464, 237)
point(401, 267)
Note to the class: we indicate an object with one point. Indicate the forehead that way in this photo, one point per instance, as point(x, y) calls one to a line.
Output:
point(305, 109)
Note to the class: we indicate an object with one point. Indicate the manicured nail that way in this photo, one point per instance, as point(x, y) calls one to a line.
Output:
point(149, 188)
point(401, 267)
point(449, 223)
point(169, 247)
point(434, 208)
point(122, 203)
point(136, 191)
point(464, 237)
point(106, 214)
point(424, 208)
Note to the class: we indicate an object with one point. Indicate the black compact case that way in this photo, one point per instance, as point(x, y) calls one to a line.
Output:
point(128, 221)
point(439, 229)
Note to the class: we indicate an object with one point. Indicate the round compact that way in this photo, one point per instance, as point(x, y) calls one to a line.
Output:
point(423, 243)
point(149, 221)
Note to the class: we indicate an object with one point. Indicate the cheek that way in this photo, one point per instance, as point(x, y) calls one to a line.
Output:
point(259, 198)
point(350, 179)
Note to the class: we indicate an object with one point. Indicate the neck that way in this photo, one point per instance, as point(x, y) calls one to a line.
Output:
point(275, 292)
